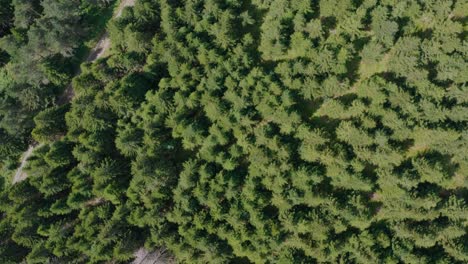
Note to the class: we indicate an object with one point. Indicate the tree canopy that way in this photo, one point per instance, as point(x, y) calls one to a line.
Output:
point(262, 131)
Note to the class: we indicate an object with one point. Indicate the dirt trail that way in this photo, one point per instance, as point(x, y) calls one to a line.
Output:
point(159, 256)
point(20, 175)
point(97, 52)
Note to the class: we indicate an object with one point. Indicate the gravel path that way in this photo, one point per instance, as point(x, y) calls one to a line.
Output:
point(97, 52)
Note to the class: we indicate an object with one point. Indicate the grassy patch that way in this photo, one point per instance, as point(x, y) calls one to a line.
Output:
point(366, 70)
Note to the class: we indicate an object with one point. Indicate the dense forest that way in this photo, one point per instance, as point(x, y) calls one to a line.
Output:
point(41, 45)
point(236, 131)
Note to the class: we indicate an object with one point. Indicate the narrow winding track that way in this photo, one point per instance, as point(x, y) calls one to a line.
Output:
point(20, 175)
point(97, 52)
point(142, 256)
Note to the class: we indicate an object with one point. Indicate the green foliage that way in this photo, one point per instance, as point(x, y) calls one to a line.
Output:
point(264, 131)
point(50, 124)
point(39, 41)
point(6, 17)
